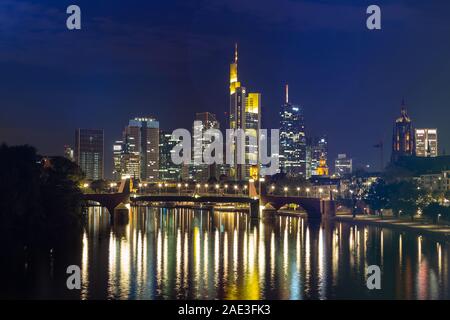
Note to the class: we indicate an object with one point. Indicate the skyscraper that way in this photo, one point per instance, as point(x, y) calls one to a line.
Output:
point(245, 113)
point(167, 169)
point(343, 165)
point(89, 146)
point(403, 143)
point(125, 163)
point(142, 140)
point(426, 142)
point(292, 139)
point(201, 171)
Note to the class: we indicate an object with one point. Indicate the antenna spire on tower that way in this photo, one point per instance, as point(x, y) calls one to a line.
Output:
point(403, 106)
point(235, 52)
point(287, 93)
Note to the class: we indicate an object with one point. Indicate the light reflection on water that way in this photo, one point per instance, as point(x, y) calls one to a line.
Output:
point(187, 254)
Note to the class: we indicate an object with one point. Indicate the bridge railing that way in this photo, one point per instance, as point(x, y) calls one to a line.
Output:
point(190, 194)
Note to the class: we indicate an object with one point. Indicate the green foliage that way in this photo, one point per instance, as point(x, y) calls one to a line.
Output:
point(38, 196)
point(98, 186)
point(435, 210)
point(402, 197)
point(378, 197)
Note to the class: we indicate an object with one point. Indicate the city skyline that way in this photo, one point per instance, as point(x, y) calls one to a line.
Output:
point(189, 75)
point(209, 152)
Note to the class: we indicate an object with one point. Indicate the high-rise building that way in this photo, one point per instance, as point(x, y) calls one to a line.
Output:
point(201, 171)
point(118, 149)
point(167, 169)
point(126, 163)
point(89, 146)
point(308, 160)
point(403, 143)
point(426, 142)
point(245, 113)
point(69, 153)
point(319, 153)
point(343, 165)
point(292, 139)
point(142, 140)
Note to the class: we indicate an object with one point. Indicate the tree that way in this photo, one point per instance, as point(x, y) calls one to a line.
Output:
point(98, 186)
point(38, 196)
point(377, 197)
point(433, 210)
point(404, 197)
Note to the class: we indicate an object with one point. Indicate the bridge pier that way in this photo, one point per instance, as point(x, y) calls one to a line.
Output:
point(254, 210)
point(120, 214)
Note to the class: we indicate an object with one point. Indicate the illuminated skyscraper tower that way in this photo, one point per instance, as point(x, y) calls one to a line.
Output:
point(203, 122)
point(89, 152)
point(403, 142)
point(245, 113)
point(292, 139)
point(142, 136)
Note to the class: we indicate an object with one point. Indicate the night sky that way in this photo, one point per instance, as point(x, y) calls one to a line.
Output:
point(170, 59)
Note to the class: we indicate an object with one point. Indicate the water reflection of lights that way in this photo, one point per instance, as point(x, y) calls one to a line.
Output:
point(419, 249)
point(85, 267)
point(322, 265)
point(179, 253)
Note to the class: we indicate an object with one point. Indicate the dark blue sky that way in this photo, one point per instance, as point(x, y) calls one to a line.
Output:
point(170, 59)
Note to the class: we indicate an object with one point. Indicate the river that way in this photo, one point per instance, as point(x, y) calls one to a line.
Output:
point(193, 254)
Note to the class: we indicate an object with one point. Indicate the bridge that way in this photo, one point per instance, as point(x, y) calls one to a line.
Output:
point(316, 208)
point(198, 198)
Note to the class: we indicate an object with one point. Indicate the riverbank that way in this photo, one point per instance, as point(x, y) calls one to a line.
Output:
point(418, 226)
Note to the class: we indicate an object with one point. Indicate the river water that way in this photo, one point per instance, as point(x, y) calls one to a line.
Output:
point(194, 254)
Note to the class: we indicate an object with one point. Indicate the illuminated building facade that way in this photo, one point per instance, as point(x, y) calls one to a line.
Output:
point(118, 149)
point(142, 143)
point(426, 142)
point(436, 182)
point(403, 143)
point(89, 147)
point(167, 169)
point(245, 113)
point(318, 149)
point(292, 139)
point(322, 169)
point(199, 170)
point(343, 165)
point(125, 163)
